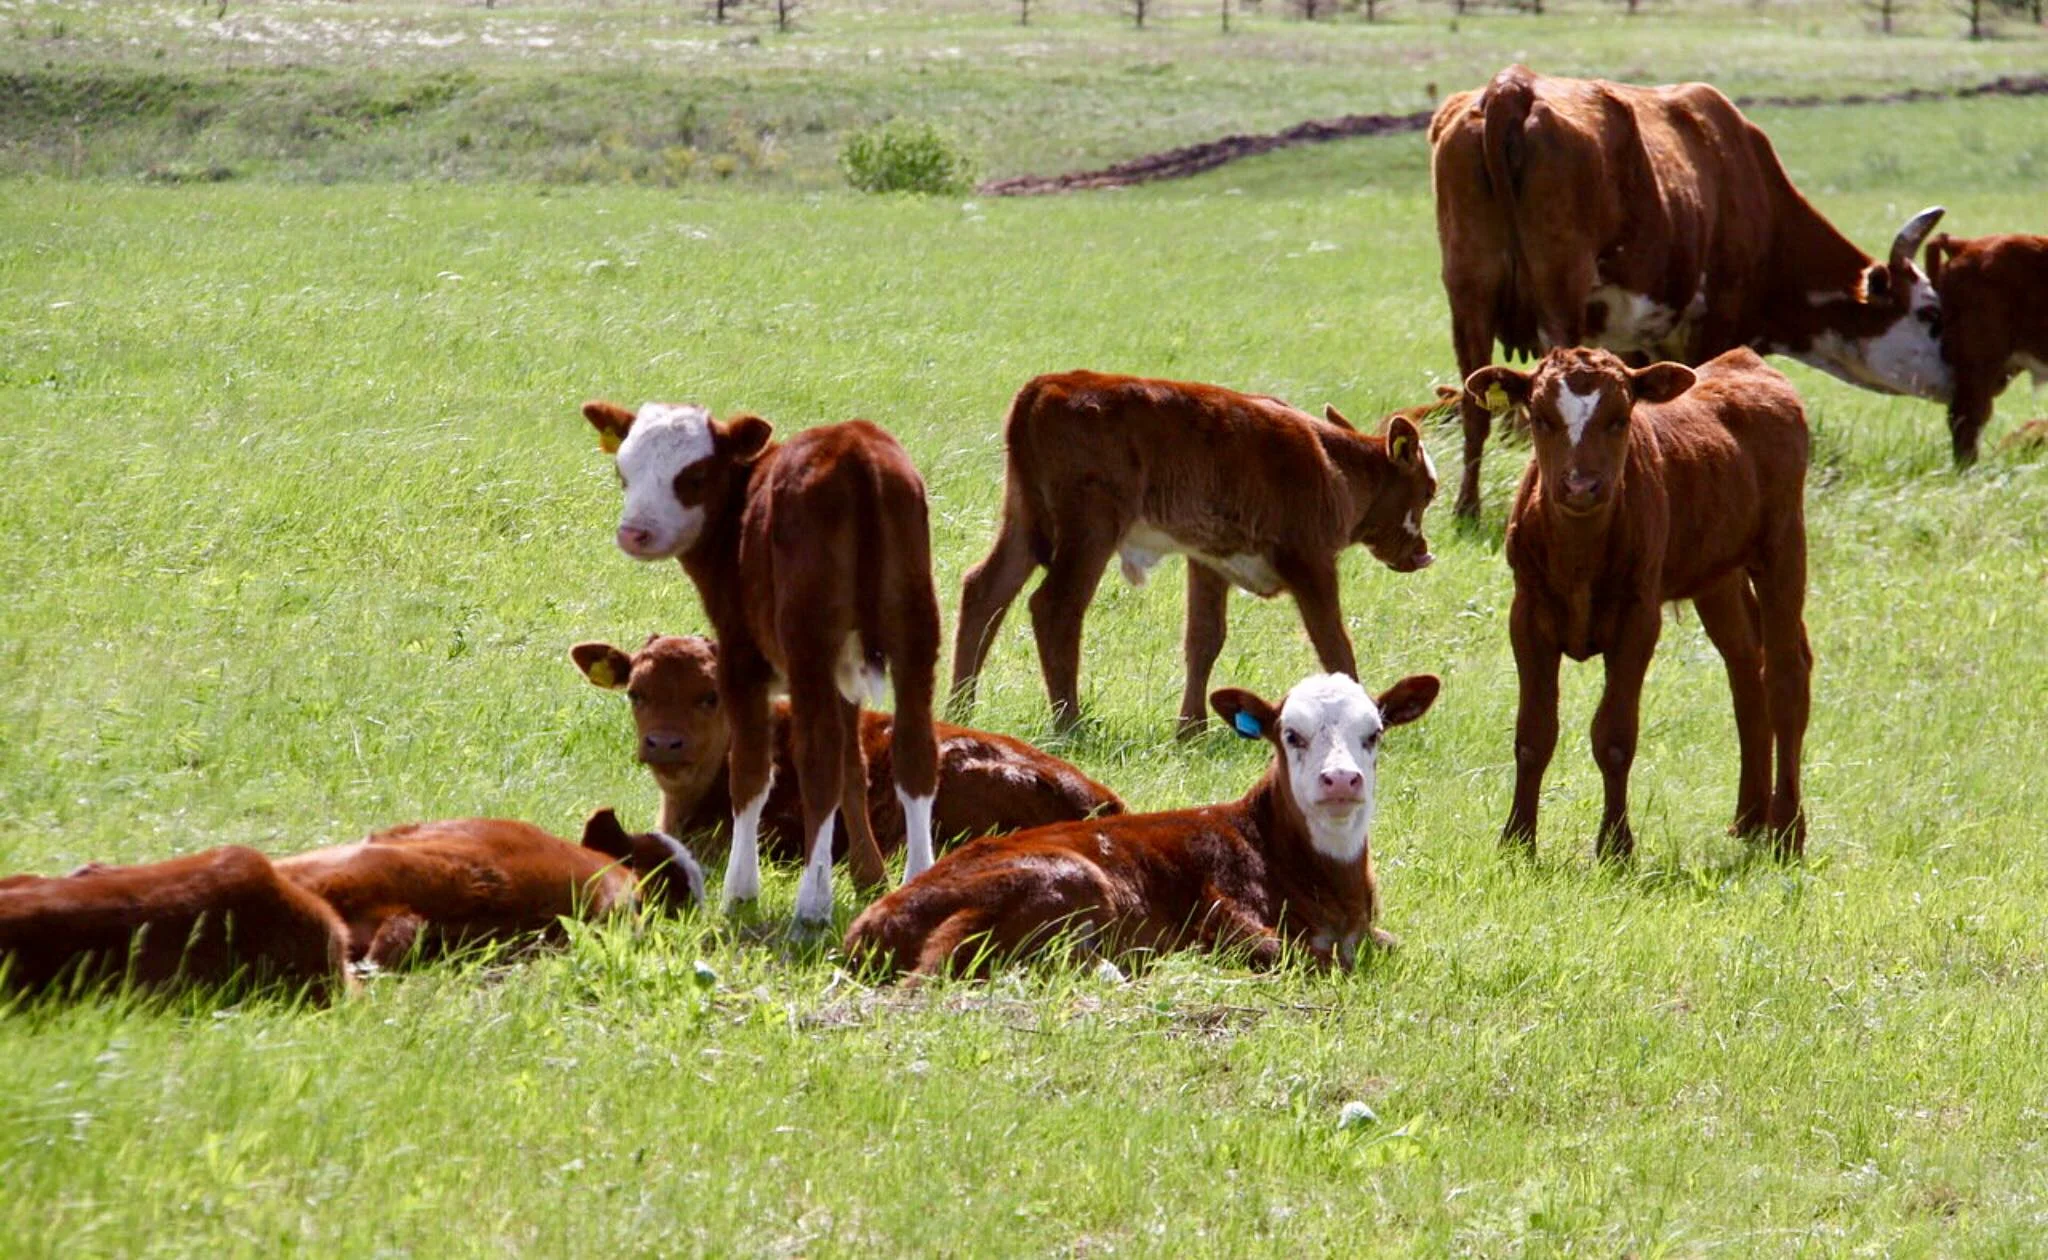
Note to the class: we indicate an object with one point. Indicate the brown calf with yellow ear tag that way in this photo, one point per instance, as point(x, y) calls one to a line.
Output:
point(612, 423)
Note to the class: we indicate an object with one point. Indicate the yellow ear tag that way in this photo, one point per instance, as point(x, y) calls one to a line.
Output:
point(608, 441)
point(601, 674)
point(1496, 398)
point(1400, 448)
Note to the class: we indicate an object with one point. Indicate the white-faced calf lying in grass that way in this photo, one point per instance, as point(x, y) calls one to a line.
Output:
point(1287, 864)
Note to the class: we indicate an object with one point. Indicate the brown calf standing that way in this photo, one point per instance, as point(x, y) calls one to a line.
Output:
point(988, 783)
point(1994, 313)
point(813, 559)
point(1289, 862)
point(441, 885)
point(202, 920)
point(1257, 494)
point(1647, 486)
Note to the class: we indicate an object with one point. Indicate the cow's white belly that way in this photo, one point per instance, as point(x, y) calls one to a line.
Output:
point(1144, 546)
point(1634, 322)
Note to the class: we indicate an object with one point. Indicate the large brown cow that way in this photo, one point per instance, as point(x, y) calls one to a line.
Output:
point(1655, 222)
point(1994, 300)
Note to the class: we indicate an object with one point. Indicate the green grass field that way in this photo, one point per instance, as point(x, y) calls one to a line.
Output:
point(301, 520)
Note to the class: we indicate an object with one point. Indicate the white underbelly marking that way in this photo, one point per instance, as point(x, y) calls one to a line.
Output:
point(1144, 546)
point(1634, 322)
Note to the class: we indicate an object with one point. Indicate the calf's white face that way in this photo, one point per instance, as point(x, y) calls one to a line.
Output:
point(667, 444)
point(1330, 735)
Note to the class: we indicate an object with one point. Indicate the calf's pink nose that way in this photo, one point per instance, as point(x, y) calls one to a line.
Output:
point(634, 539)
point(1343, 782)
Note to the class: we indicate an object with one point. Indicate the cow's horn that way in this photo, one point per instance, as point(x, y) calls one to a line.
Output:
point(1907, 242)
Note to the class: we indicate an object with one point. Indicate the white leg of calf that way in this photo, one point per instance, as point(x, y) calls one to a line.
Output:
point(743, 867)
point(917, 835)
point(814, 891)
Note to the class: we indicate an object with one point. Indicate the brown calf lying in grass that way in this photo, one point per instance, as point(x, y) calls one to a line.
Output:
point(204, 920)
point(988, 783)
point(1255, 493)
point(813, 560)
point(1651, 485)
point(1290, 862)
point(440, 885)
point(1994, 315)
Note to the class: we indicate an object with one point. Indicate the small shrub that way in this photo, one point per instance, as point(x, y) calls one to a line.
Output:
point(903, 156)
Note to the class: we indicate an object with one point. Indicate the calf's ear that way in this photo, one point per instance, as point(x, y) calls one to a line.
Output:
point(1408, 699)
point(1498, 388)
point(1660, 382)
point(744, 437)
point(603, 834)
point(1404, 441)
point(604, 665)
point(1336, 417)
point(1244, 712)
point(611, 421)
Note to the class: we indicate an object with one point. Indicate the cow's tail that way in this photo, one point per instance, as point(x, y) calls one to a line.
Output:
point(1504, 123)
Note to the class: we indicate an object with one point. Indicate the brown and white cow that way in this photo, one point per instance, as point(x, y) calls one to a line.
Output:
point(1655, 222)
point(1650, 485)
point(433, 886)
point(207, 919)
point(813, 560)
point(1255, 493)
point(988, 783)
point(1289, 862)
point(1994, 303)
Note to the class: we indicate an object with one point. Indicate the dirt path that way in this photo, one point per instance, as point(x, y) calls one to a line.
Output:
point(1193, 159)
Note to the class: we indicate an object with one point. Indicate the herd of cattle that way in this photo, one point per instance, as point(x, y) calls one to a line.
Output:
point(1644, 242)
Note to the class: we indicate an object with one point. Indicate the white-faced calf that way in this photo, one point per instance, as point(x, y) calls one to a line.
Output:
point(427, 887)
point(1255, 493)
point(1651, 485)
point(1290, 862)
point(1994, 310)
point(207, 919)
point(813, 561)
point(988, 783)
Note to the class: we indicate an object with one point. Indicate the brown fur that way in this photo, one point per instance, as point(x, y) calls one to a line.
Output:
point(808, 543)
point(1090, 456)
point(988, 783)
point(1680, 488)
point(196, 921)
point(1547, 188)
point(1242, 875)
point(440, 885)
point(1994, 308)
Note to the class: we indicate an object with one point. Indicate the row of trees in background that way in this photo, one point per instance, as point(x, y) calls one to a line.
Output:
point(1978, 14)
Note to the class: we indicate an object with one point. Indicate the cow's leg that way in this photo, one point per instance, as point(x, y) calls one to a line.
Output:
point(1088, 538)
point(1729, 614)
point(1616, 721)
point(1969, 411)
point(816, 730)
point(863, 855)
point(1788, 674)
point(913, 664)
point(1472, 341)
point(743, 679)
point(1536, 660)
point(986, 593)
point(1313, 582)
point(1208, 610)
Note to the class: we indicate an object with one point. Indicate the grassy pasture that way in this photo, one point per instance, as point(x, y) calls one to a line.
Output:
point(301, 520)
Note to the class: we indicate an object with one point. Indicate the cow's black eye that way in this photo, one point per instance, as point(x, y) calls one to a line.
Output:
point(1294, 739)
point(709, 702)
point(635, 698)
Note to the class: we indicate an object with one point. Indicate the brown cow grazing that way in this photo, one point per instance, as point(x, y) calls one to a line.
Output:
point(429, 887)
point(813, 559)
point(1650, 485)
point(988, 783)
point(1290, 862)
point(203, 920)
point(1255, 493)
point(1655, 222)
point(1994, 304)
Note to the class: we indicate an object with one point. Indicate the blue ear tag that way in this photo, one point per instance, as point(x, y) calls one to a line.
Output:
point(1246, 724)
